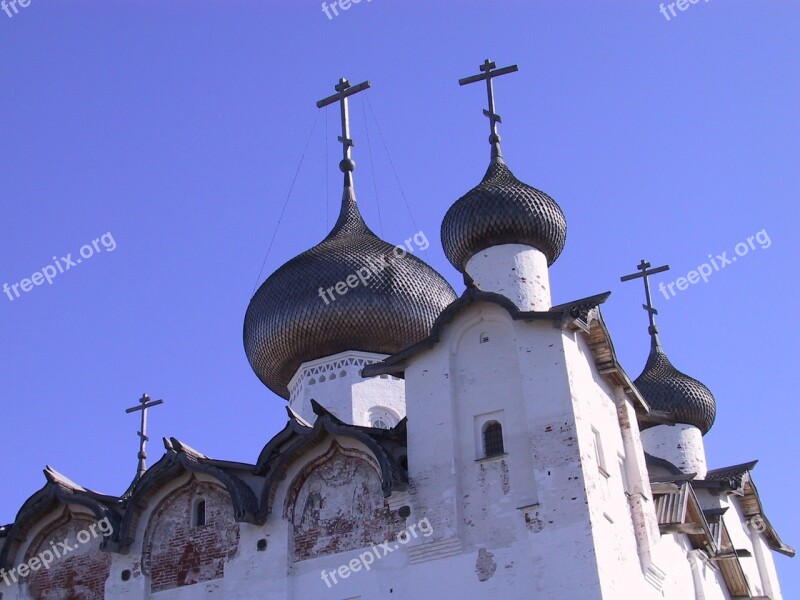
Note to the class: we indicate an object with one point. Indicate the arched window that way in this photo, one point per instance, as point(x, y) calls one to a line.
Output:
point(493, 439)
point(382, 418)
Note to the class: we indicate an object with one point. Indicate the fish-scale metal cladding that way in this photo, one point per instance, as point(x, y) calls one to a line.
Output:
point(289, 323)
point(666, 389)
point(502, 210)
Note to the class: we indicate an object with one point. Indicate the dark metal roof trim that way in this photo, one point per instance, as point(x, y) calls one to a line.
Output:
point(396, 363)
point(738, 480)
point(754, 508)
point(736, 472)
point(57, 490)
point(580, 314)
point(181, 458)
point(655, 461)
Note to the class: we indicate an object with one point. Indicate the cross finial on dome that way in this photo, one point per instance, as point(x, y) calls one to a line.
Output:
point(489, 71)
point(343, 91)
point(644, 273)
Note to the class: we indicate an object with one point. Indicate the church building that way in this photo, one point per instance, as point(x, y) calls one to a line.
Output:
point(474, 445)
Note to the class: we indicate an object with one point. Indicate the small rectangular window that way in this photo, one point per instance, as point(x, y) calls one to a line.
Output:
point(598, 451)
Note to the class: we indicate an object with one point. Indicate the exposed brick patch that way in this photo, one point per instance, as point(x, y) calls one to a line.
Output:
point(81, 574)
point(336, 504)
point(175, 552)
point(485, 566)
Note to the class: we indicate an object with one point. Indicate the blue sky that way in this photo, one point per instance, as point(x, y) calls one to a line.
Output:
point(177, 128)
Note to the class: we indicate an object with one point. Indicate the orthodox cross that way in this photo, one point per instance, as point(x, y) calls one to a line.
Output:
point(489, 71)
point(144, 404)
point(645, 272)
point(343, 91)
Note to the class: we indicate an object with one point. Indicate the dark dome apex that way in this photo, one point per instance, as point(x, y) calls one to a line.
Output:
point(502, 210)
point(666, 389)
point(288, 322)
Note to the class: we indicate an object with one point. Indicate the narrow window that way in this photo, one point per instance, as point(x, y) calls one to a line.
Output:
point(598, 452)
point(493, 439)
point(200, 514)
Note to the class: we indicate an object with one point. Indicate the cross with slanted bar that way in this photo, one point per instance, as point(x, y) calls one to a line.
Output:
point(489, 72)
point(145, 404)
point(645, 272)
point(344, 91)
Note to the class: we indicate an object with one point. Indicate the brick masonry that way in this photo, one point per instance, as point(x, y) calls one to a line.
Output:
point(177, 553)
point(79, 575)
point(337, 504)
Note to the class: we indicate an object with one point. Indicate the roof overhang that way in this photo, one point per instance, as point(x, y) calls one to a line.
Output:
point(579, 315)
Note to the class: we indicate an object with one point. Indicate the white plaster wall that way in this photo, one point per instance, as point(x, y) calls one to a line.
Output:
point(680, 444)
point(613, 531)
point(335, 382)
point(766, 565)
point(689, 575)
point(534, 498)
point(516, 271)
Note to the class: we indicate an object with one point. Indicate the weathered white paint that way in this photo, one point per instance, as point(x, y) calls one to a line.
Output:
point(566, 512)
point(680, 444)
point(335, 382)
point(516, 271)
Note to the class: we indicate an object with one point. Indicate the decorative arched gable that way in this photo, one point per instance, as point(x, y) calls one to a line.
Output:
point(58, 491)
point(180, 459)
point(336, 503)
point(79, 574)
point(387, 448)
point(177, 550)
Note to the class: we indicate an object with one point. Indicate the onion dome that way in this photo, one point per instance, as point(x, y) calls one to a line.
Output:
point(666, 389)
point(352, 291)
point(502, 210)
point(682, 398)
point(391, 301)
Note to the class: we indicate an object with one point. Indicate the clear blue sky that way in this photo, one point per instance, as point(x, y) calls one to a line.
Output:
point(178, 126)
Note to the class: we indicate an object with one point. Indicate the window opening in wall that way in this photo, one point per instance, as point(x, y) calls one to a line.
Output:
point(493, 439)
point(380, 417)
point(598, 452)
point(200, 514)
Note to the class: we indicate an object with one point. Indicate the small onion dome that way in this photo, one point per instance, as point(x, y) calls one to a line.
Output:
point(502, 210)
point(666, 389)
point(293, 319)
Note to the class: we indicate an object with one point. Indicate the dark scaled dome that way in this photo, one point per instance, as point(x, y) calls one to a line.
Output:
point(288, 322)
point(502, 210)
point(666, 389)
